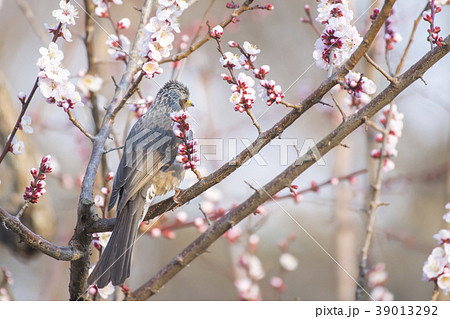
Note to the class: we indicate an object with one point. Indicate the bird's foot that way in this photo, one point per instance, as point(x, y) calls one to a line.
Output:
point(177, 193)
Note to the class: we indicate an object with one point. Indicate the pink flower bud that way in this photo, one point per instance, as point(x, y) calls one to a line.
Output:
point(123, 23)
point(216, 32)
point(334, 181)
point(232, 44)
point(270, 7)
point(169, 234)
point(46, 159)
point(33, 172)
point(22, 96)
point(110, 176)
point(155, 232)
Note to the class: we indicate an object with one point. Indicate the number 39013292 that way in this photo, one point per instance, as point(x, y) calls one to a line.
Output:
point(406, 310)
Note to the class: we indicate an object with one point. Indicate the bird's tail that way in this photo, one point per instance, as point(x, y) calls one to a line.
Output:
point(115, 261)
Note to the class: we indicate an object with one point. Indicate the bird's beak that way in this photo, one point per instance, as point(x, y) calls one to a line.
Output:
point(189, 103)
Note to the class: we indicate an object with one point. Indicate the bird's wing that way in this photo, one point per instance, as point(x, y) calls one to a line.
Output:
point(147, 150)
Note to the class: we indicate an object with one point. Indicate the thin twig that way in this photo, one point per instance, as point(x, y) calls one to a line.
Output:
point(113, 149)
point(254, 121)
point(379, 68)
point(344, 116)
point(79, 126)
point(374, 203)
point(35, 26)
point(410, 41)
point(22, 210)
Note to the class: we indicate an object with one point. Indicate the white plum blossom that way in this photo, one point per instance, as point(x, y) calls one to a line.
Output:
point(444, 282)
point(124, 23)
point(247, 289)
point(357, 84)
point(89, 83)
point(381, 293)
point(288, 262)
point(55, 72)
point(434, 266)
point(250, 48)
point(151, 68)
point(102, 6)
point(216, 32)
point(446, 217)
point(231, 60)
point(99, 201)
point(441, 2)
point(103, 238)
point(25, 124)
point(66, 14)
point(243, 94)
point(17, 147)
point(118, 50)
point(443, 236)
point(104, 292)
point(50, 56)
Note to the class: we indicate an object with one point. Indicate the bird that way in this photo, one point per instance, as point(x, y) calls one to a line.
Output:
point(148, 168)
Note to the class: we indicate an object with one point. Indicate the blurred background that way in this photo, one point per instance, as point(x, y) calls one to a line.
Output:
point(330, 222)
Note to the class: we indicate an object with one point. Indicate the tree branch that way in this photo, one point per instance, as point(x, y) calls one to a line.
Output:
point(79, 126)
point(35, 241)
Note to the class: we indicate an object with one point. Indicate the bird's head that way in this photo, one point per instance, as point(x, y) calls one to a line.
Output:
point(179, 92)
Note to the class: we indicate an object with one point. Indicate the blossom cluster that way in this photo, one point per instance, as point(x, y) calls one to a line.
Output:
point(437, 266)
point(287, 261)
point(243, 95)
point(53, 78)
point(339, 38)
point(376, 280)
point(141, 106)
point(118, 44)
point(395, 131)
point(433, 31)
point(249, 269)
point(37, 186)
point(65, 15)
point(391, 36)
point(159, 34)
point(102, 7)
point(359, 88)
point(188, 148)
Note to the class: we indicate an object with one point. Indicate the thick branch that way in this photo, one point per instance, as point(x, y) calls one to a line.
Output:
point(265, 137)
point(238, 213)
point(35, 241)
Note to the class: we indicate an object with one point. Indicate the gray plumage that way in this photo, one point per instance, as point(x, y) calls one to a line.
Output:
point(147, 169)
